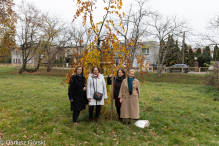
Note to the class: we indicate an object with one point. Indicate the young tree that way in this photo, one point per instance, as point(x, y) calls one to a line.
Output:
point(29, 36)
point(161, 29)
point(105, 39)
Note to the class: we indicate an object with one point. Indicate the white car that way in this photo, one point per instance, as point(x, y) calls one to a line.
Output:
point(210, 68)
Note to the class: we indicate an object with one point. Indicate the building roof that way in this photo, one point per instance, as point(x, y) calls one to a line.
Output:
point(194, 50)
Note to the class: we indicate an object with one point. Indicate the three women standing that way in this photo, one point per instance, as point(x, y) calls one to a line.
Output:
point(77, 93)
point(129, 97)
point(116, 87)
point(95, 83)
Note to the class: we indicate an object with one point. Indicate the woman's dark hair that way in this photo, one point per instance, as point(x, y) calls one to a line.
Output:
point(123, 71)
point(75, 72)
point(94, 68)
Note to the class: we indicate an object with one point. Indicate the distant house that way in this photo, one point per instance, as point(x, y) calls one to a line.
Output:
point(66, 53)
point(16, 56)
point(211, 52)
point(150, 49)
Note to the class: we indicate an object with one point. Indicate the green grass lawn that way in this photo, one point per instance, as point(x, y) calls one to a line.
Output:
point(35, 107)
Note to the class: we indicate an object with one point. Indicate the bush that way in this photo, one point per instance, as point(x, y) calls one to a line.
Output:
point(212, 78)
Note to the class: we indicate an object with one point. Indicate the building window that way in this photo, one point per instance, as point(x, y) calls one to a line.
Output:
point(16, 60)
point(13, 60)
point(19, 61)
point(145, 50)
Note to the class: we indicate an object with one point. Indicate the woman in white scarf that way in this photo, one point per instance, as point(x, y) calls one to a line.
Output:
point(95, 82)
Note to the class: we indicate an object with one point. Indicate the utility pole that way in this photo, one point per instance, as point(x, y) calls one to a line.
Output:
point(183, 47)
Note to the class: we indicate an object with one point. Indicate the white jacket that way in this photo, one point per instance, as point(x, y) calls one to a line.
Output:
point(100, 86)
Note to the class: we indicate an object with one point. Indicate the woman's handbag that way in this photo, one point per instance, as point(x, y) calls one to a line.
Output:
point(97, 96)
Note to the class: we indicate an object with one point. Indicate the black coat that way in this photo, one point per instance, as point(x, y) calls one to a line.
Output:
point(116, 85)
point(76, 85)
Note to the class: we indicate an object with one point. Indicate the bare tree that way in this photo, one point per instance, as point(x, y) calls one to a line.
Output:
point(29, 35)
point(56, 36)
point(80, 39)
point(212, 34)
point(161, 28)
point(135, 29)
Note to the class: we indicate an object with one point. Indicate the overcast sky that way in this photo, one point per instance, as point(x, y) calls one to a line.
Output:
point(198, 12)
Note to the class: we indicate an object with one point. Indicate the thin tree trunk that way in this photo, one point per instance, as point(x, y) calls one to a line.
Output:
point(158, 63)
point(22, 69)
point(49, 66)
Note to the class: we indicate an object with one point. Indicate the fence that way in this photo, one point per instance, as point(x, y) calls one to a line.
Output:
point(152, 69)
point(181, 69)
point(33, 65)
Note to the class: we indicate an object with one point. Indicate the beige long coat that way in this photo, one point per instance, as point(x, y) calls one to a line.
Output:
point(130, 103)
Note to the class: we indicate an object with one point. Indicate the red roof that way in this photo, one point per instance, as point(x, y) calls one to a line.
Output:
point(194, 50)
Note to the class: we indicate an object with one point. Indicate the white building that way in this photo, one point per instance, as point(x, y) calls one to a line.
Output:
point(16, 57)
point(150, 49)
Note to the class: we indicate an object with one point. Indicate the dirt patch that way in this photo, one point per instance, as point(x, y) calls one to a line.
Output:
point(43, 72)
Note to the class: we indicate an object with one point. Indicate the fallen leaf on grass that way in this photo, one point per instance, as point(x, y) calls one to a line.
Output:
point(192, 138)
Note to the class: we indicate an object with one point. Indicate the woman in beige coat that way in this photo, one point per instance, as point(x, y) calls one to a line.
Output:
point(129, 97)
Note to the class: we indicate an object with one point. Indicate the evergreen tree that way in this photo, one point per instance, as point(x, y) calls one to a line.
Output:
point(198, 52)
point(186, 54)
point(177, 54)
point(173, 51)
point(170, 44)
point(191, 57)
point(204, 58)
point(208, 50)
point(216, 53)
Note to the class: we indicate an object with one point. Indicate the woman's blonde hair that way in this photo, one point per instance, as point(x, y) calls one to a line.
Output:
point(132, 70)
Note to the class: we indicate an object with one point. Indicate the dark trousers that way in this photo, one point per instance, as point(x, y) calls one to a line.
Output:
point(118, 110)
point(75, 116)
point(91, 110)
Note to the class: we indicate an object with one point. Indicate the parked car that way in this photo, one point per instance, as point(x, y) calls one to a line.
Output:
point(178, 68)
point(211, 67)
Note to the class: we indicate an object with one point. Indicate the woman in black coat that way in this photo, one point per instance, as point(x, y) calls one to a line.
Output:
point(76, 92)
point(116, 87)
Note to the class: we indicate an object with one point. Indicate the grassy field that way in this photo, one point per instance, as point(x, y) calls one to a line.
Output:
point(181, 111)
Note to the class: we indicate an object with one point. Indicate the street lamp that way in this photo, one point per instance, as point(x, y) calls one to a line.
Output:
point(195, 59)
